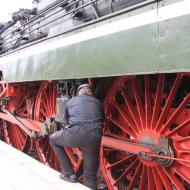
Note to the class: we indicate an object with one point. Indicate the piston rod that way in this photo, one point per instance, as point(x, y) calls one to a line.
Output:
point(164, 157)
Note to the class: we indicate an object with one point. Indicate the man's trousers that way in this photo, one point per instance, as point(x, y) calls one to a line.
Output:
point(88, 139)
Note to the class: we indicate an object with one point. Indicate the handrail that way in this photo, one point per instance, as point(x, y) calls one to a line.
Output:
point(37, 16)
point(41, 20)
point(87, 4)
point(127, 9)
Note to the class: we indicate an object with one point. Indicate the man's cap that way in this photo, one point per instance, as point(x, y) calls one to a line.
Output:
point(86, 85)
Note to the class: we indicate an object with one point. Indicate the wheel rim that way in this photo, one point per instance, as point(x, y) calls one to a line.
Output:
point(45, 107)
point(13, 134)
point(143, 109)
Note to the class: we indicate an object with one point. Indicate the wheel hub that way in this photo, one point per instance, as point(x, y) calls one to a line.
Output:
point(162, 148)
point(165, 152)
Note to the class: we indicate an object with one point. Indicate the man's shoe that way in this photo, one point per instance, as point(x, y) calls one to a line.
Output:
point(70, 178)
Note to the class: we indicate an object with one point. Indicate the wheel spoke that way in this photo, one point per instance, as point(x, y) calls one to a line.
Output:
point(148, 110)
point(138, 100)
point(164, 178)
point(133, 164)
point(183, 171)
point(178, 185)
point(111, 166)
point(72, 158)
point(157, 180)
point(17, 138)
point(143, 180)
point(175, 114)
point(150, 179)
point(158, 100)
point(135, 177)
point(23, 112)
point(47, 104)
point(132, 111)
point(126, 118)
point(178, 128)
point(182, 148)
point(118, 124)
point(169, 101)
point(181, 139)
point(45, 109)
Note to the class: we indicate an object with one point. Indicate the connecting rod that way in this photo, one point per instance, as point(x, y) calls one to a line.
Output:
point(30, 127)
point(161, 152)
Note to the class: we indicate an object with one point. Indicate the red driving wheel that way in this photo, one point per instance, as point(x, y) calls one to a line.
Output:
point(45, 107)
point(13, 134)
point(144, 109)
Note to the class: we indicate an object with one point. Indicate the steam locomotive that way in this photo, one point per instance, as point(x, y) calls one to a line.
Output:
point(134, 53)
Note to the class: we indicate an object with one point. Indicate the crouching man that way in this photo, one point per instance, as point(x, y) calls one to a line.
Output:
point(85, 118)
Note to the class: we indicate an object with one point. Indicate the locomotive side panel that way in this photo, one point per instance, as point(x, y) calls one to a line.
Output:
point(81, 53)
